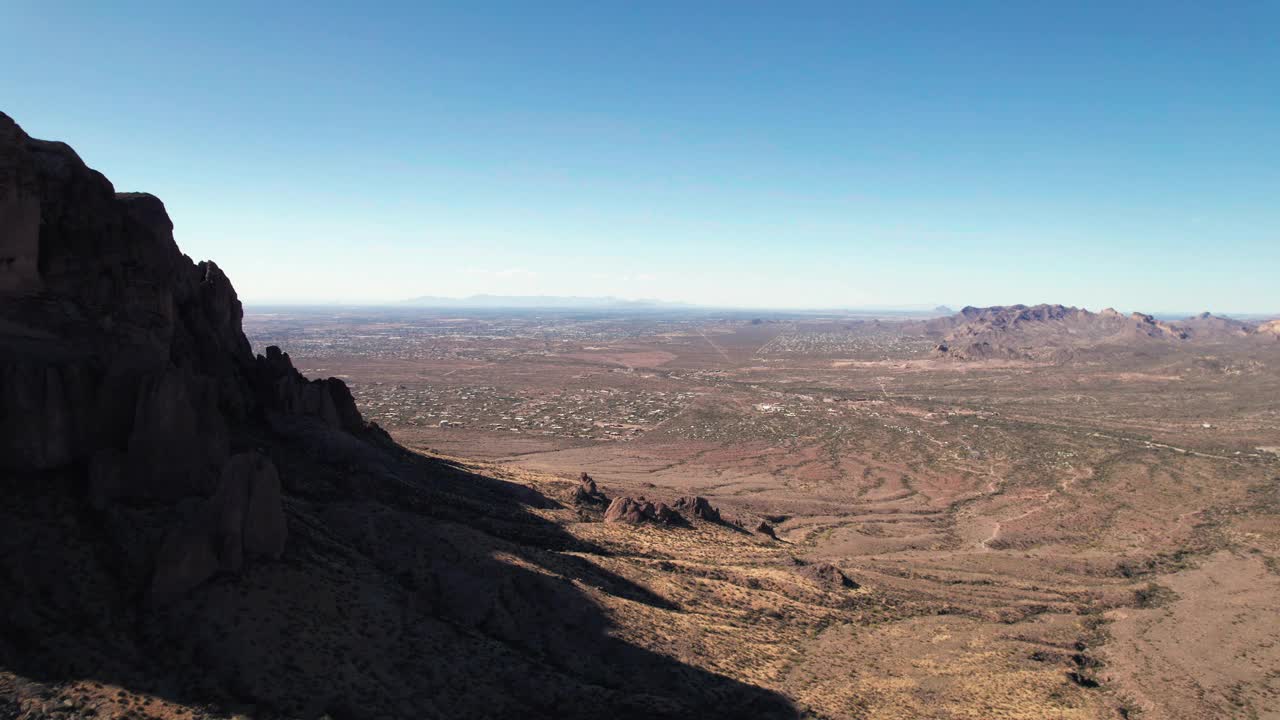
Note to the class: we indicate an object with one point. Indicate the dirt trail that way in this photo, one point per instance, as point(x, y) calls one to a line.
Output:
point(715, 346)
point(999, 525)
point(1175, 448)
point(1062, 487)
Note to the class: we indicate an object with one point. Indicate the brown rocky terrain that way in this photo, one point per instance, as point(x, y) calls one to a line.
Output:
point(1058, 333)
point(1024, 538)
point(1207, 326)
point(1042, 331)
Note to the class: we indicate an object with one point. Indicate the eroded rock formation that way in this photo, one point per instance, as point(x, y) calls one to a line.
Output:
point(587, 493)
point(828, 576)
point(244, 518)
point(698, 507)
point(123, 356)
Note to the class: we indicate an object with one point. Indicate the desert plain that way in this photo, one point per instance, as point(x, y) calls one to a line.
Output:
point(1087, 532)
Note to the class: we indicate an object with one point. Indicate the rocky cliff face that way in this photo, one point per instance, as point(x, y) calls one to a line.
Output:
point(125, 359)
point(116, 341)
point(189, 523)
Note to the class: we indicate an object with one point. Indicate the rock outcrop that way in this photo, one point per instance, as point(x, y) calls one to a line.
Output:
point(116, 340)
point(698, 507)
point(828, 576)
point(125, 357)
point(634, 511)
point(244, 518)
point(586, 492)
point(629, 510)
point(663, 513)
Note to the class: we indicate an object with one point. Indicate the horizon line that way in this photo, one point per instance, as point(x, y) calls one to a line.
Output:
point(659, 305)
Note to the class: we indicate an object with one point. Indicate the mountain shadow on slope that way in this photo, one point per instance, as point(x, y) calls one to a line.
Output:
point(190, 522)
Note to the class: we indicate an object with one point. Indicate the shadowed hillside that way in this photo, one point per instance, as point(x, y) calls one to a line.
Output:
point(194, 531)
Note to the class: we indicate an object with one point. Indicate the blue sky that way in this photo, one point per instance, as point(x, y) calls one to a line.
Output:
point(773, 154)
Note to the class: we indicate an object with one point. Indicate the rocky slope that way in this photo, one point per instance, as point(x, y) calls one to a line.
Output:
point(193, 530)
point(1207, 326)
point(1043, 331)
point(1057, 332)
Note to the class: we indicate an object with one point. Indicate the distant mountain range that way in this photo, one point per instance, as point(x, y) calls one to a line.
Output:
point(571, 302)
point(539, 302)
point(1058, 332)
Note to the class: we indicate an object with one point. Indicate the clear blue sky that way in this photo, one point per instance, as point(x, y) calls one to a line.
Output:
point(779, 154)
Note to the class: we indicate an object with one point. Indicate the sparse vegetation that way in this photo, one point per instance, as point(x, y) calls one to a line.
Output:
point(1018, 503)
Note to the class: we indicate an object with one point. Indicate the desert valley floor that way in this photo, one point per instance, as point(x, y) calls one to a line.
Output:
point(1092, 534)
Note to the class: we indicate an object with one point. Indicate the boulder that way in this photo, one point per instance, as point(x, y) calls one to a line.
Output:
point(244, 518)
point(634, 511)
point(828, 576)
point(698, 507)
point(631, 511)
point(765, 528)
point(187, 558)
point(664, 514)
point(586, 493)
point(252, 480)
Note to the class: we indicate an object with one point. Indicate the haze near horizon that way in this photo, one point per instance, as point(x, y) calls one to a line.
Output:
point(730, 155)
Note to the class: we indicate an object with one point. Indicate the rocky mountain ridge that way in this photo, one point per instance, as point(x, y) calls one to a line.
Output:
point(1057, 332)
point(124, 357)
